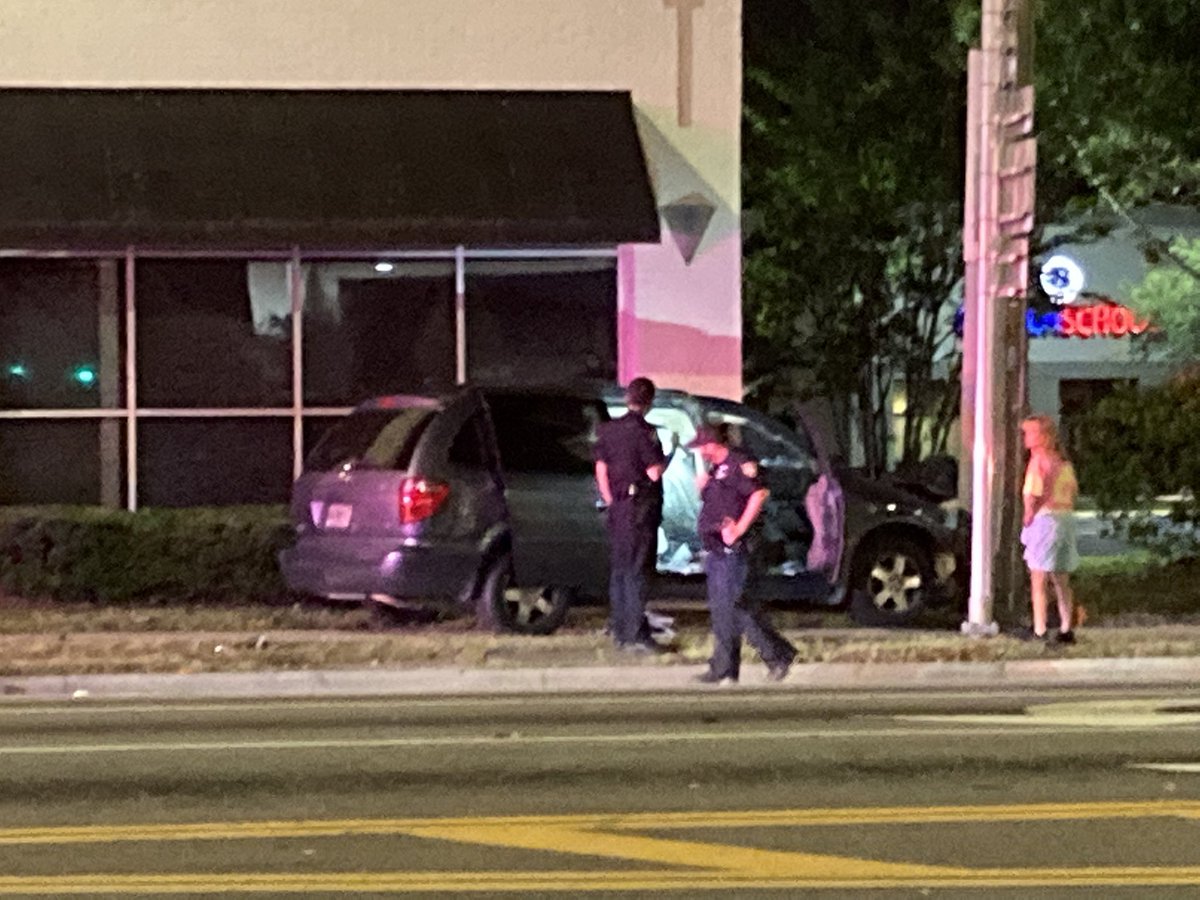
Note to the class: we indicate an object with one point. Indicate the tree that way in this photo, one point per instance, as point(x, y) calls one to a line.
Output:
point(1140, 444)
point(853, 124)
point(1118, 83)
point(1169, 296)
point(854, 119)
point(923, 272)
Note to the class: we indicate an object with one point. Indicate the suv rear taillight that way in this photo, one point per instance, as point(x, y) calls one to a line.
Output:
point(420, 498)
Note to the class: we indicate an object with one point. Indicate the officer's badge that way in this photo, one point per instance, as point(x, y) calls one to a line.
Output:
point(750, 468)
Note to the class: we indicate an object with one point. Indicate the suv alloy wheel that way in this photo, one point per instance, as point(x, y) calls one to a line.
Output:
point(890, 581)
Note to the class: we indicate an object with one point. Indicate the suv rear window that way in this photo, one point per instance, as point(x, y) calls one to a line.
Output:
point(373, 439)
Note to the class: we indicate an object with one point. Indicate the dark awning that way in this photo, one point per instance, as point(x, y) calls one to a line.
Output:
point(255, 169)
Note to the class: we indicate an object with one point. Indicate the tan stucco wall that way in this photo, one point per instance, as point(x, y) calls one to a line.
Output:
point(628, 45)
point(517, 44)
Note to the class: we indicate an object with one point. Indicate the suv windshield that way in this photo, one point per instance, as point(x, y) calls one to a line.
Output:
point(373, 439)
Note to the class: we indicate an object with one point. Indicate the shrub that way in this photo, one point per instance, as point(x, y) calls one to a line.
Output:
point(159, 556)
point(1141, 444)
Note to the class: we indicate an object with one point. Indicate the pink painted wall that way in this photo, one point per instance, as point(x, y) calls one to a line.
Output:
point(681, 320)
point(680, 324)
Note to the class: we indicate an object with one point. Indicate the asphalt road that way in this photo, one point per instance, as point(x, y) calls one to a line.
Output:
point(731, 793)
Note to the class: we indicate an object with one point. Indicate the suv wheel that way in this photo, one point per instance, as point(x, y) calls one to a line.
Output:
point(892, 578)
point(532, 610)
point(489, 597)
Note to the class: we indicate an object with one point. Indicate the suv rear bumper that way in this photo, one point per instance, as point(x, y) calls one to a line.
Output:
point(344, 569)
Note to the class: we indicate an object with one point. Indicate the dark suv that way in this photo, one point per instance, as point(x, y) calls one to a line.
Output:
point(485, 499)
point(827, 535)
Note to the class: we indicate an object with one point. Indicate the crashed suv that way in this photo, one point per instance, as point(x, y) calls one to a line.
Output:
point(827, 534)
point(484, 499)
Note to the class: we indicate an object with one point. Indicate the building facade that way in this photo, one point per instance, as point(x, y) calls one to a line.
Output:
point(226, 221)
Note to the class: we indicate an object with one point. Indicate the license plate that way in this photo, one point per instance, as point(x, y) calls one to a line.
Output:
point(338, 515)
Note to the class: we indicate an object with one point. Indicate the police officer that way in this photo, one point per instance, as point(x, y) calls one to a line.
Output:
point(732, 496)
point(629, 467)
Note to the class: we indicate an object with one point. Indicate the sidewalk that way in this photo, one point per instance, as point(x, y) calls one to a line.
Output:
point(464, 664)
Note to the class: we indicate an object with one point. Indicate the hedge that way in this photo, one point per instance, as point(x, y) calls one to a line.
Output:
point(1137, 445)
point(159, 556)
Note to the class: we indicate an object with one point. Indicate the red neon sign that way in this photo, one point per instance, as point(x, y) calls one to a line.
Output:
point(1098, 320)
point(1101, 320)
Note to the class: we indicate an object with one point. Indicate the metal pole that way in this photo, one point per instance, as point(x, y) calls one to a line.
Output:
point(1000, 114)
point(970, 241)
point(131, 394)
point(979, 611)
point(296, 292)
point(983, 446)
point(460, 315)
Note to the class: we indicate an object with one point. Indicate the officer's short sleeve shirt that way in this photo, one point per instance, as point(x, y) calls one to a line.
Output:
point(628, 446)
point(730, 485)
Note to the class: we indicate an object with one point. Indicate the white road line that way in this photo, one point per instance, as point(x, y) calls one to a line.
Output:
point(518, 739)
point(18, 707)
point(1186, 768)
point(1161, 712)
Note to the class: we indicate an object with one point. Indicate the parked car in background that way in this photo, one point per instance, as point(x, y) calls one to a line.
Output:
point(484, 500)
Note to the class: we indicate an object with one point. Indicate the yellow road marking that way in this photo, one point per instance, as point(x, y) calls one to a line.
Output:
point(678, 864)
point(746, 862)
point(848, 816)
point(516, 882)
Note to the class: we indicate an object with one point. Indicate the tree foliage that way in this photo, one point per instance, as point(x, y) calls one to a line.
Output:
point(1170, 297)
point(853, 136)
point(1142, 443)
point(1118, 86)
point(853, 162)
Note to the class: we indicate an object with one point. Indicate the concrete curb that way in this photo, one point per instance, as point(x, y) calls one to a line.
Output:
point(457, 681)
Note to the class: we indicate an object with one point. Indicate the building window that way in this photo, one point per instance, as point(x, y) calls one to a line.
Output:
point(541, 321)
point(373, 329)
point(213, 333)
point(214, 462)
point(227, 405)
point(61, 340)
point(60, 461)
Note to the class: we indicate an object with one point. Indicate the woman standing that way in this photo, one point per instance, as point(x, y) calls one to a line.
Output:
point(1049, 533)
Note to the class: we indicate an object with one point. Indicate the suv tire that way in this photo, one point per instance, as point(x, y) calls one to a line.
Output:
point(891, 581)
point(489, 597)
point(532, 610)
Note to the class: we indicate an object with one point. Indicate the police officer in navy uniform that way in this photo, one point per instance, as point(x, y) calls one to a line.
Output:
point(732, 496)
point(629, 467)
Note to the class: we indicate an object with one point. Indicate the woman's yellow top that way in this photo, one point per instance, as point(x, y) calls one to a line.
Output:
point(1058, 496)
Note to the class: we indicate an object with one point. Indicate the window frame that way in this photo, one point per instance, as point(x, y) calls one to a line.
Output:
point(131, 412)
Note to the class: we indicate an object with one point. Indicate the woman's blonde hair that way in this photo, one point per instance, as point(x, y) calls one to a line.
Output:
point(1049, 428)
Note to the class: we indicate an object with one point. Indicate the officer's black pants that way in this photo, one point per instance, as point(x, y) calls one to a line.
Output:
point(632, 536)
point(732, 616)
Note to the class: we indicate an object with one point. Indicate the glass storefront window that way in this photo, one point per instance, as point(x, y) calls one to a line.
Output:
point(214, 462)
point(377, 328)
point(213, 333)
point(547, 321)
point(60, 334)
point(69, 461)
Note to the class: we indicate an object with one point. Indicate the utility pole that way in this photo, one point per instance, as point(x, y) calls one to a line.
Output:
point(997, 222)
